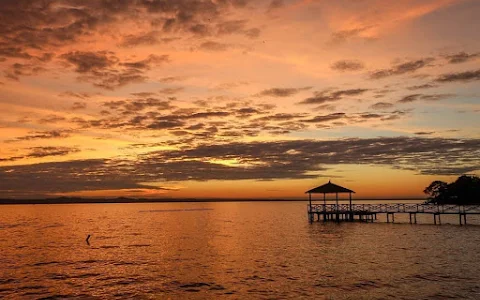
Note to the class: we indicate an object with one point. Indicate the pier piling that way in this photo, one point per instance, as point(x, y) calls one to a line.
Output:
point(368, 212)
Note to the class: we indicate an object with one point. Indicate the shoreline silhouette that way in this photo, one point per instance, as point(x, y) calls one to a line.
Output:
point(75, 200)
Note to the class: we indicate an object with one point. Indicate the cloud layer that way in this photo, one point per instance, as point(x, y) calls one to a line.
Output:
point(259, 161)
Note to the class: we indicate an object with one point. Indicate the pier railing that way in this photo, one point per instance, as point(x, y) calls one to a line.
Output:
point(395, 208)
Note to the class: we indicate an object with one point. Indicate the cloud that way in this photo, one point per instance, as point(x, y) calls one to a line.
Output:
point(275, 4)
point(149, 113)
point(75, 95)
point(420, 153)
point(422, 86)
point(362, 117)
point(282, 117)
point(200, 30)
point(424, 132)
point(403, 68)
point(347, 65)
point(221, 120)
point(328, 107)
point(232, 26)
point(136, 105)
point(79, 105)
point(461, 57)
point(283, 92)
point(90, 61)
point(237, 27)
point(436, 97)
point(247, 111)
point(381, 106)
point(294, 159)
point(14, 52)
point(105, 70)
point(36, 30)
point(39, 135)
point(143, 94)
point(158, 125)
point(331, 96)
point(50, 119)
point(252, 33)
point(230, 85)
point(459, 77)
point(326, 118)
point(48, 178)
point(145, 39)
point(415, 97)
point(18, 69)
point(171, 79)
point(343, 36)
point(37, 24)
point(171, 91)
point(202, 115)
point(37, 152)
point(409, 98)
point(214, 46)
point(146, 64)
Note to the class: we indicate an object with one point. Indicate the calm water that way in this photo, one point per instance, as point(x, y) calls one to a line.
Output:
point(233, 250)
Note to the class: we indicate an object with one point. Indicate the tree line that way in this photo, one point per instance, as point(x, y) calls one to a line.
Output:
point(464, 190)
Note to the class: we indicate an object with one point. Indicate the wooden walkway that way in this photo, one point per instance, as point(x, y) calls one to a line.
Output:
point(369, 212)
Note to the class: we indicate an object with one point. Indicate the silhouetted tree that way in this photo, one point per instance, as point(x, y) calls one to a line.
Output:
point(438, 191)
point(465, 190)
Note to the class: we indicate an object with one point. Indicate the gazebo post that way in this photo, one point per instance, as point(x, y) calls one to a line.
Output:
point(310, 200)
point(310, 213)
point(350, 207)
point(336, 199)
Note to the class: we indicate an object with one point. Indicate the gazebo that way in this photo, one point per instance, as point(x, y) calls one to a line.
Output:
point(329, 188)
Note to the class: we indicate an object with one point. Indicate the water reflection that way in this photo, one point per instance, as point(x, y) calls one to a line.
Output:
point(245, 250)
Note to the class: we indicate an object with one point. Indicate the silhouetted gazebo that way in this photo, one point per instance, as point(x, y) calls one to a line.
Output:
point(329, 188)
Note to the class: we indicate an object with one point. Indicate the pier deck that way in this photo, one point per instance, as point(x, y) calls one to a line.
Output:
point(369, 212)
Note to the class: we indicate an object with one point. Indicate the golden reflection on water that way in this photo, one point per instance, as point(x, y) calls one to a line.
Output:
point(239, 250)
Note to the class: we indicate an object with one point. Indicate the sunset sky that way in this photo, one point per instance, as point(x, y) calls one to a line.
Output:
point(236, 98)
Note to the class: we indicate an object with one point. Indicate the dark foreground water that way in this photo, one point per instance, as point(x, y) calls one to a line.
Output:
point(230, 250)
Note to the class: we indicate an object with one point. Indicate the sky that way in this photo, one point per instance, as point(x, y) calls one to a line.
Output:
point(236, 98)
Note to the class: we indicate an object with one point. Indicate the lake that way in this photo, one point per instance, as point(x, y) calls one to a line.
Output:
point(233, 250)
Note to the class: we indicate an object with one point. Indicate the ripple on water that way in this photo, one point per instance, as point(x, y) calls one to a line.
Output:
point(12, 225)
point(54, 225)
point(47, 263)
point(124, 281)
point(435, 277)
point(84, 275)
point(249, 257)
point(139, 245)
point(108, 247)
point(56, 276)
point(64, 296)
point(90, 261)
point(258, 278)
point(125, 263)
point(195, 287)
point(7, 281)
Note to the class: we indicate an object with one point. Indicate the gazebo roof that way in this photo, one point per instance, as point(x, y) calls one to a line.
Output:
point(329, 188)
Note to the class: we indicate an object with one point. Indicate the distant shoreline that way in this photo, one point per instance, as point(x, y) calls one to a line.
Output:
point(179, 200)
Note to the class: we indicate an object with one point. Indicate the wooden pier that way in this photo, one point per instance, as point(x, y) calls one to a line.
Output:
point(369, 212)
